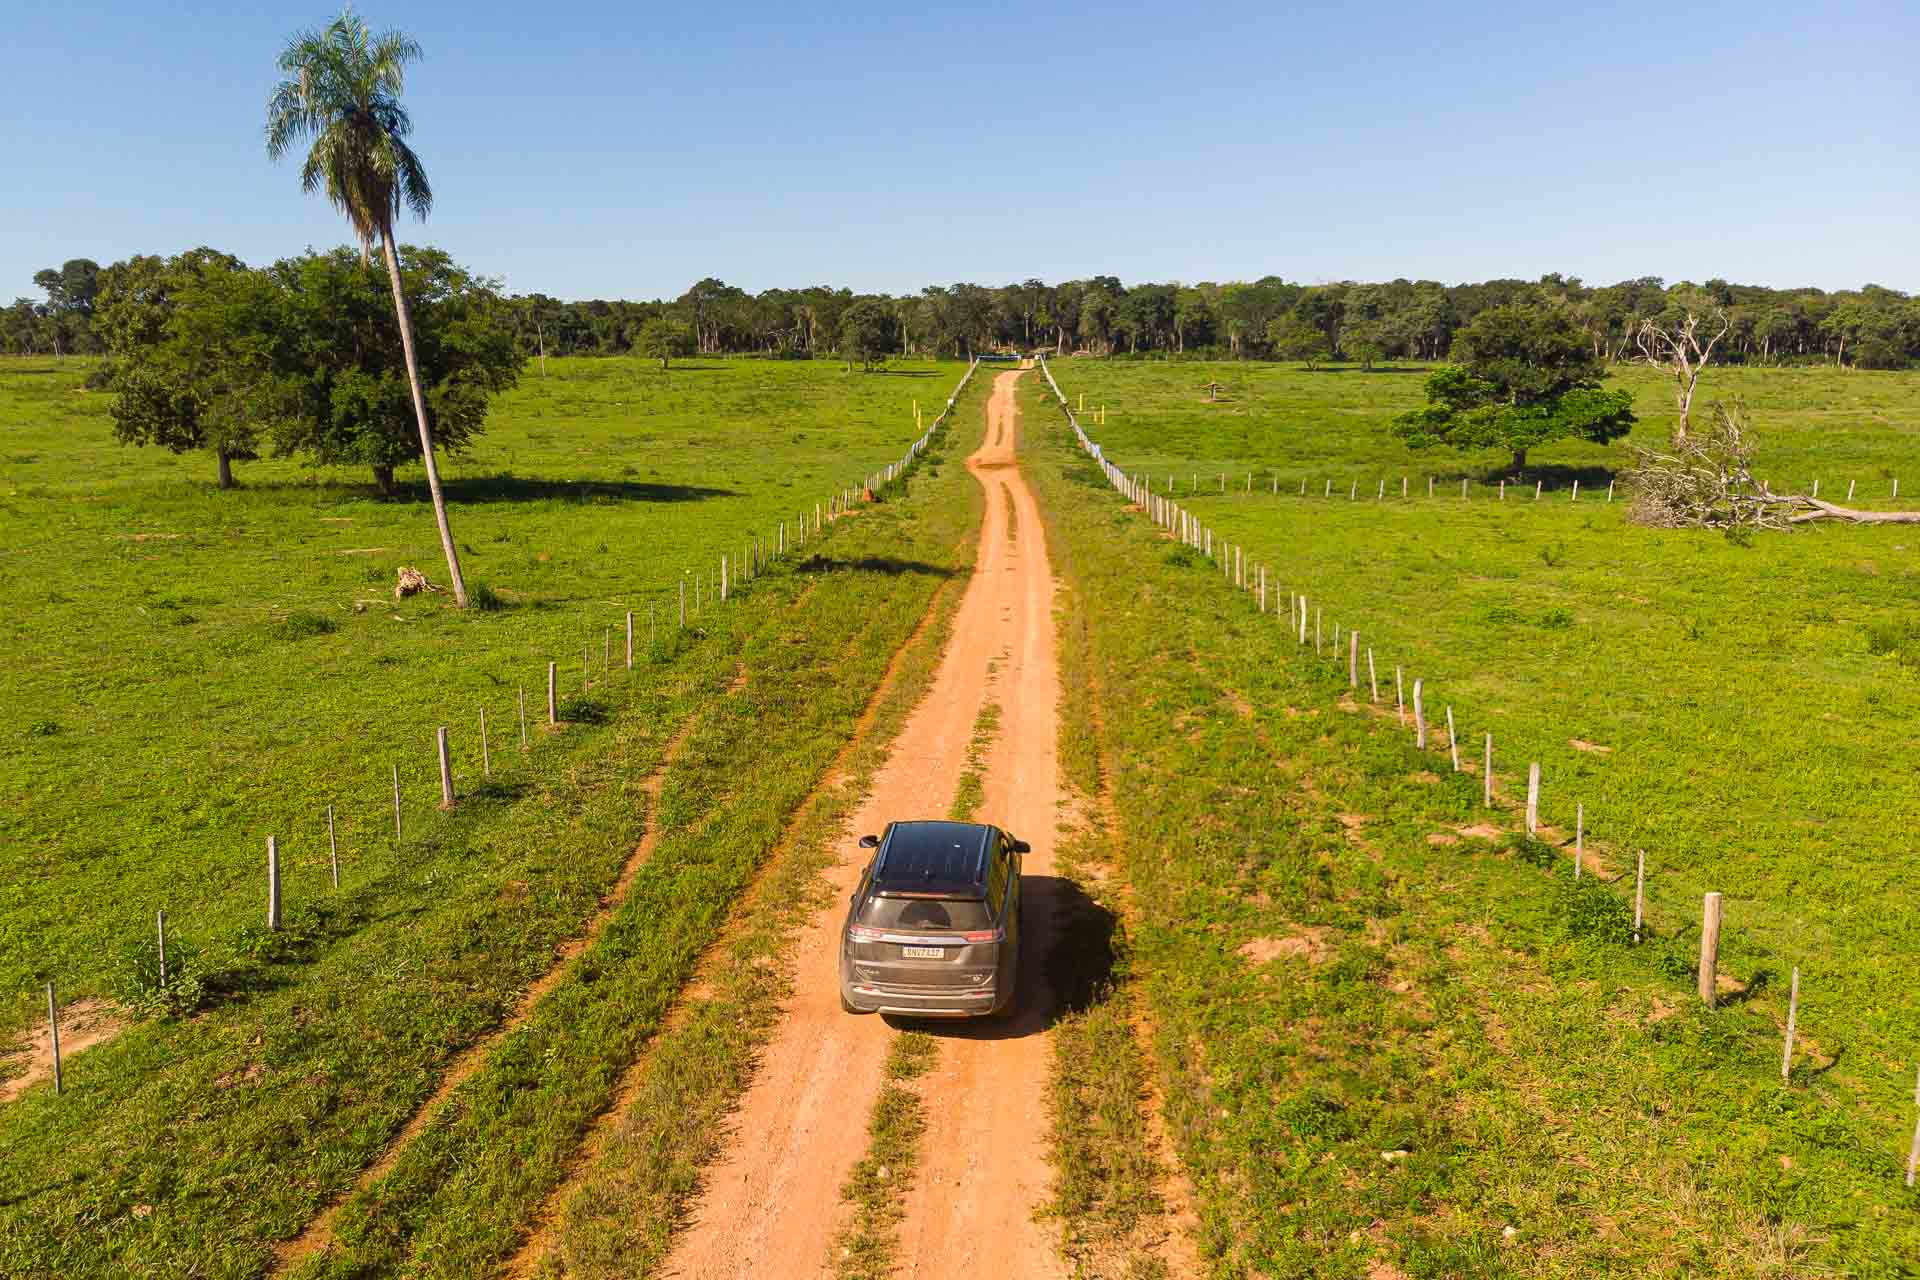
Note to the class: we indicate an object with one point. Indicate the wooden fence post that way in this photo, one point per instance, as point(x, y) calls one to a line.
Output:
point(486, 753)
point(1536, 490)
point(1609, 491)
point(446, 767)
point(1373, 680)
point(1533, 797)
point(53, 1032)
point(629, 639)
point(273, 883)
point(553, 693)
point(1579, 837)
point(160, 926)
point(333, 849)
point(1353, 659)
point(523, 717)
point(396, 804)
point(1486, 775)
point(1639, 894)
point(1399, 700)
point(1709, 947)
point(1419, 719)
point(1793, 1014)
point(683, 601)
point(1453, 739)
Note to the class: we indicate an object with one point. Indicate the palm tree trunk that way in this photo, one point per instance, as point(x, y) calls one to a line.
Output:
point(420, 415)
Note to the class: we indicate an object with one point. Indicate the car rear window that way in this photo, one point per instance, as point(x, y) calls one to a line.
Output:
point(925, 913)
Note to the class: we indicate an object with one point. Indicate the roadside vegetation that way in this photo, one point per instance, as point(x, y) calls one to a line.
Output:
point(868, 1245)
point(1390, 1033)
point(323, 1038)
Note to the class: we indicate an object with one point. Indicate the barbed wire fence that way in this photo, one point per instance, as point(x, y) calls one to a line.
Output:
point(1179, 523)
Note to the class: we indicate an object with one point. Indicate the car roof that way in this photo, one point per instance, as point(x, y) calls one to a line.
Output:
point(933, 860)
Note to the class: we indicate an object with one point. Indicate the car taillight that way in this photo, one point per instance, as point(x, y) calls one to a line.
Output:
point(986, 935)
point(860, 933)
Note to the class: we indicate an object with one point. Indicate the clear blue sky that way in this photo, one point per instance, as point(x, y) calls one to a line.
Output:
point(612, 150)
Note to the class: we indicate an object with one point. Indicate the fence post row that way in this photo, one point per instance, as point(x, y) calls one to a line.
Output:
point(1164, 512)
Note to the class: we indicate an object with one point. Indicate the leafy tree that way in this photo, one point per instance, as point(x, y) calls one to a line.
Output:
point(343, 91)
point(199, 356)
point(356, 391)
point(662, 338)
point(1293, 338)
point(1522, 376)
point(867, 332)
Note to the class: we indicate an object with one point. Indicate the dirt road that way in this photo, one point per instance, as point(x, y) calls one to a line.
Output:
point(771, 1204)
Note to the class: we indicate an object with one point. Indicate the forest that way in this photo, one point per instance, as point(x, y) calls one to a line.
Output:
point(1268, 318)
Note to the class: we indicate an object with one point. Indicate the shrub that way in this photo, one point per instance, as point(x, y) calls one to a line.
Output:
point(298, 625)
point(136, 980)
point(486, 599)
point(1896, 638)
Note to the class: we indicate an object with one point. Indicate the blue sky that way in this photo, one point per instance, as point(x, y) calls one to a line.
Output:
point(615, 150)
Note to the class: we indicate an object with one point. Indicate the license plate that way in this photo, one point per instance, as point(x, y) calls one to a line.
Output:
point(923, 953)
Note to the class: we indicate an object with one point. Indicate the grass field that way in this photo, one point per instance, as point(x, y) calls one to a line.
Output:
point(1331, 424)
point(195, 670)
point(1340, 969)
point(185, 718)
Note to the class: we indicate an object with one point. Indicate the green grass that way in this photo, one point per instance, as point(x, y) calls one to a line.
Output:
point(971, 787)
point(325, 1038)
point(618, 1217)
point(194, 670)
point(1328, 986)
point(867, 1246)
point(1331, 424)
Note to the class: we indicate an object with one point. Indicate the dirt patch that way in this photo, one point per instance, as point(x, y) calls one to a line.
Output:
point(360, 551)
point(1481, 831)
point(1427, 776)
point(1241, 706)
point(1443, 837)
point(152, 537)
point(1581, 744)
point(83, 1024)
point(1308, 943)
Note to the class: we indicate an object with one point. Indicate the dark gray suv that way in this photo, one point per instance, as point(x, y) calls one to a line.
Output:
point(934, 928)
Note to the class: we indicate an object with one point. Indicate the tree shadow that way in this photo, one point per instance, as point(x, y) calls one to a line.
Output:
point(505, 488)
point(872, 564)
point(906, 373)
point(1383, 368)
point(1553, 477)
point(692, 368)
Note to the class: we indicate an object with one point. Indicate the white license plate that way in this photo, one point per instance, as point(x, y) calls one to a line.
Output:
point(923, 953)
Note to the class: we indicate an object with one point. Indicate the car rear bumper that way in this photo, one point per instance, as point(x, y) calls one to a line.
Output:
point(972, 1002)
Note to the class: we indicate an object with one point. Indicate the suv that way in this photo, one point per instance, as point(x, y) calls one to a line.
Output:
point(933, 930)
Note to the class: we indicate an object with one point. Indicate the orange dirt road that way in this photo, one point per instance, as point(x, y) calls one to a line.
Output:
point(771, 1204)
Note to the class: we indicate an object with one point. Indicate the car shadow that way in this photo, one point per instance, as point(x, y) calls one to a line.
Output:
point(1066, 965)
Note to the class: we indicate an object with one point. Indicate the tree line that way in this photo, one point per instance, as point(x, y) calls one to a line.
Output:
point(1270, 318)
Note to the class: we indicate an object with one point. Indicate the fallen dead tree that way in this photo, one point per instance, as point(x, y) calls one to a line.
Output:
point(1704, 480)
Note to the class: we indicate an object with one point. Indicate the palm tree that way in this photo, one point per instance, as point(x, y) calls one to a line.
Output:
point(343, 91)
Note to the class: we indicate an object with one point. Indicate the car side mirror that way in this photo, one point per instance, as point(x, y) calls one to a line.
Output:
point(869, 842)
point(1021, 846)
